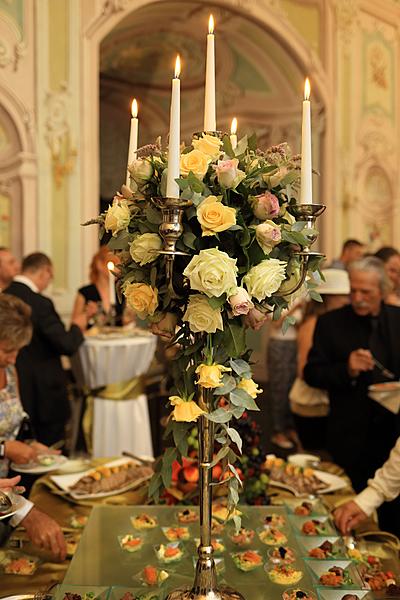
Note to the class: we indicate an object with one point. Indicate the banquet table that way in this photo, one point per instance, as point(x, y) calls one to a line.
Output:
point(116, 363)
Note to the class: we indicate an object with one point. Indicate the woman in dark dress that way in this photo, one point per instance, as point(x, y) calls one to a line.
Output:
point(98, 291)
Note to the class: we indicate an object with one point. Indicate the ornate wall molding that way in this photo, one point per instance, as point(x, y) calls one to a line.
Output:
point(347, 16)
point(12, 47)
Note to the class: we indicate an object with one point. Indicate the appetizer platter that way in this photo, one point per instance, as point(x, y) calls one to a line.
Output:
point(115, 477)
point(300, 480)
point(45, 463)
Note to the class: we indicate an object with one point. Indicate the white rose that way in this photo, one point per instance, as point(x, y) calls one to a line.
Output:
point(201, 316)
point(265, 278)
point(144, 248)
point(268, 235)
point(118, 216)
point(212, 272)
point(141, 170)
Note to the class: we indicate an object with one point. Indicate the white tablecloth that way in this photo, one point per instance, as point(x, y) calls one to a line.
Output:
point(118, 424)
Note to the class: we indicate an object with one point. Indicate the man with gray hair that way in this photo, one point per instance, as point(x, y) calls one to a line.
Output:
point(347, 347)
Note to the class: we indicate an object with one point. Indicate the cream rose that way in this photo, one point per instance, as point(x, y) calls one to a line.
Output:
point(202, 318)
point(265, 206)
point(144, 248)
point(209, 145)
point(229, 176)
point(210, 376)
point(268, 235)
point(249, 386)
point(118, 216)
point(214, 216)
point(194, 161)
point(240, 302)
point(277, 177)
point(142, 299)
point(212, 272)
point(141, 170)
point(265, 278)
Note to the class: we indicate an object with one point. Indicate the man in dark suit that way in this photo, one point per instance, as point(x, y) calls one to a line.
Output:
point(347, 343)
point(42, 380)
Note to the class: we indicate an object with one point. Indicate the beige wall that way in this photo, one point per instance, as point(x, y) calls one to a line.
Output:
point(49, 117)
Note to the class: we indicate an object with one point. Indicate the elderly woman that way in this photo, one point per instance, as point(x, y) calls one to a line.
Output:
point(15, 332)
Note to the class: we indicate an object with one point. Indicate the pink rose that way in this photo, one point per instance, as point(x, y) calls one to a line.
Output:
point(256, 319)
point(266, 206)
point(268, 235)
point(165, 328)
point(240, 302)
point(229, 176)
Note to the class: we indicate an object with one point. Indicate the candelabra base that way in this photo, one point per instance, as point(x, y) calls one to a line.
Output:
point(221, 593)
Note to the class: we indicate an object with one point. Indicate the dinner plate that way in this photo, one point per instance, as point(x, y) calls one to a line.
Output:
point(334, 483)
point(38, 469)
point(65, 482)
point(17, 502)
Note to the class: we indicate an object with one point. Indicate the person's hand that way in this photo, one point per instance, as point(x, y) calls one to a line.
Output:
point(91, 309)
point(45, 533)
point(7, 484)
point(359, 360)
point(82, 319)
point(348, 515)
point(19, 452)
point(43, 449)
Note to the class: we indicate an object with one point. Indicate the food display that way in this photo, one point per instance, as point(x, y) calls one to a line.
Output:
point(19, 565)
point(75, 596)
point(130, 543)
point(72, 544)
point(174, 534)
point(169, 553)
point(324, 550)
point(272, 536)
point(284, 574)
point(46, 460)
point(297, 594)
point(152, 576)
point(221, 512)
point(335, 577)
point(282, 554)
point(315, 527)
point(216, 543)
point(304, 509)
point(372, 572)
point(302, 480)
point(216, 527)
point(187, 515)
point(110, 478)
point(243, 537)
point(144, 521)
point(274, 520)
point(78, 521)
point(247, 560)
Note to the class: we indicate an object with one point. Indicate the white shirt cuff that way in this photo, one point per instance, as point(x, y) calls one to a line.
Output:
point(21, 513)
point(369, 500)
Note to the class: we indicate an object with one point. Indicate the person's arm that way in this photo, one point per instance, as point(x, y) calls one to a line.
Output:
point(323, 370)
point(304, 342)
point(43, 531)
point(49, 326)
point(79, 307)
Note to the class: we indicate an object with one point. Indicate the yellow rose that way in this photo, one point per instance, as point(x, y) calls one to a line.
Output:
point(185, 410)
point(249, 386)
point(142, 299)
point(144, 248)
point(214, 217)
point(209, 145)
point(201, 316)
point(212, 272)
point(265, 278)
point(210, 375)
point(194, 161)
point(118, 216)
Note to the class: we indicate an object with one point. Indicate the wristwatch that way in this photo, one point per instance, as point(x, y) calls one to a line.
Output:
point(2, 450)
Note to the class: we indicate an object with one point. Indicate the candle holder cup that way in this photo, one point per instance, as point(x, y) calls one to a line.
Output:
point(309, 214)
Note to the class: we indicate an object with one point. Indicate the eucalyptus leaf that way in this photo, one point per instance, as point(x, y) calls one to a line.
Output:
point(221, 415)
point(234, 339)
point(241, 398)
point(228, 384)
point(288, 322)
point(189, 239)
point(240, 366)
point(222, 452)
point(153, 215)
point(235, 437)
point(216, 303)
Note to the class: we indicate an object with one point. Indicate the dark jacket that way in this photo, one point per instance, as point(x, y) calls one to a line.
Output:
point(42, 380)
point(361, 432)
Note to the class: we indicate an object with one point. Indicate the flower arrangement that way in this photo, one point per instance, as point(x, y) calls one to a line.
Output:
point(235, 267)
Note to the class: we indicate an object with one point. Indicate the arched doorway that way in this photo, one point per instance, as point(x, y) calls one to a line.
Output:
point(260, 73)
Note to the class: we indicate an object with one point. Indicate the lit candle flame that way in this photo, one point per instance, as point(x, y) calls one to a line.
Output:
point(234, 126)
point(177, 66)
point(110, 265)
point(307, 89)
point(211, 24)
point(134, 108)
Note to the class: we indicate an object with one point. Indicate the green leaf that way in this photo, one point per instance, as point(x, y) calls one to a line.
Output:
point(241, 398)
point(235, 437)
point(179, 432)
point(189, 239)
point(288, 322)
point(153, 215)
point(237, 520)
point(121, 242)
point(222, 452)
point(215, 302)
point(237, 411)
point(298, 226)
point(195, 183)
point(155, 484)
point(242, 146)
point(234, 339)
point(183, 183)
point(221, 415)
point(168, 458)
point(240, 366)
point(227, 146)
point(315, 295)
point(229, 384)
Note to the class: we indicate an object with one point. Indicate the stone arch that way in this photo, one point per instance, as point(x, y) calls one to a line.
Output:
point(114, 11)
